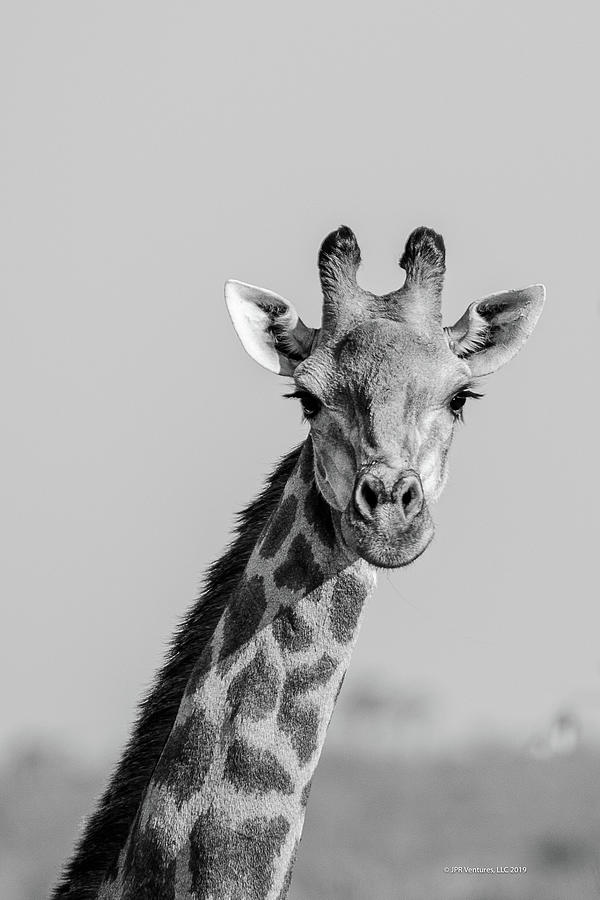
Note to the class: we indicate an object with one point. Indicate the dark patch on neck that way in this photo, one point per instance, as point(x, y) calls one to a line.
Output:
point(299, 720)
point(308, 676)
point(240, 864)
point(243, 616)
point(279, 527)
point(318, 514)
point(106, 832)
point(253, 769)
point(291, 631)
point(187, 756)
point(301, 724)
point(305, 793)
point(254, 691)
point(349, 595)
point(306, 462)
point(299, 571)
point(150, 872)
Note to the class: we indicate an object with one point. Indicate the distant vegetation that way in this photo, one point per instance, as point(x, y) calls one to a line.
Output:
point(387, 828)
point(43, 797)
point(376, 826)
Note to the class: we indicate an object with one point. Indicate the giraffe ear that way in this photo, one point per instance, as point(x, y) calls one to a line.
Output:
point(269, 327)
point(492, 330)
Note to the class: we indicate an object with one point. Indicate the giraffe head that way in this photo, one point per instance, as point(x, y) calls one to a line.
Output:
point(382, 383)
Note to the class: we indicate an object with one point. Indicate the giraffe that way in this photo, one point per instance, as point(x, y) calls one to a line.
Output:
point(208, 800)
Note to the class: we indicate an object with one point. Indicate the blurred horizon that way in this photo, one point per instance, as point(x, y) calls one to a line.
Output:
point(379, 814)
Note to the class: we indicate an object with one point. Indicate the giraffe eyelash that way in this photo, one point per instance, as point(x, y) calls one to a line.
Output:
point(311, 405)
point(461, 396)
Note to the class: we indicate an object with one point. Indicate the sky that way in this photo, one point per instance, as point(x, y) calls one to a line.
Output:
point(149, 151)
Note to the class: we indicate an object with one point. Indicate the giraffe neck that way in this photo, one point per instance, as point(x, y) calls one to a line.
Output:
point(223, 812)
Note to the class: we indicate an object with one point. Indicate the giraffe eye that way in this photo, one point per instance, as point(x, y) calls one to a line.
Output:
point(457, 402)
point(311, 405)
point(460, 398)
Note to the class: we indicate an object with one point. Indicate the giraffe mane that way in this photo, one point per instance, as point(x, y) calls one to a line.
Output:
point(106, 831)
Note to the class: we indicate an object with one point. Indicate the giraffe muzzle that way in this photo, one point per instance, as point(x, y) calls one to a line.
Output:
point(387, 521)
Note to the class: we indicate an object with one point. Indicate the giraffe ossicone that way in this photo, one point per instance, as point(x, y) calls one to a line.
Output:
point(208, 800)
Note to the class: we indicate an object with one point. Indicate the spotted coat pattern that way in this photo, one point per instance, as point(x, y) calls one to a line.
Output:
point(223, 814)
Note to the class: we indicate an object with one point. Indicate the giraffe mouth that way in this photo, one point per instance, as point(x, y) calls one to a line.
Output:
point(382, 542)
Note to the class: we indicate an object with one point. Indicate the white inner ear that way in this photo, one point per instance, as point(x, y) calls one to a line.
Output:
point(494, 329)
point(470, 332)
point(252, 310)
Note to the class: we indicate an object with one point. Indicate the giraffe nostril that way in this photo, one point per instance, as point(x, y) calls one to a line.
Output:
point(410, 490)
point(368, 494)
point(407, 497)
